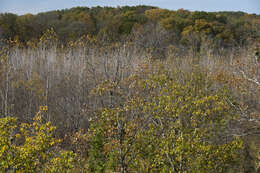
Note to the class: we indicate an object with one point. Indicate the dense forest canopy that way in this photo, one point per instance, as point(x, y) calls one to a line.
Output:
point(116, 23)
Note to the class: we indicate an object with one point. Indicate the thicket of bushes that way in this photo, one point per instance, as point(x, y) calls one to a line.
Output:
point(116, 108)
point(154, 120)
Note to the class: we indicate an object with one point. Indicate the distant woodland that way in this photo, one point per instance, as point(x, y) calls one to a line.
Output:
point(115, 24)
point(130, 89)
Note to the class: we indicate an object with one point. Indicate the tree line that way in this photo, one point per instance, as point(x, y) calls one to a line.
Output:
point(114, 24)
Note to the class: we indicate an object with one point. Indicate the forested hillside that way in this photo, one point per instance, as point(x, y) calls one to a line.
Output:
point(113, 24)
point(130, 89)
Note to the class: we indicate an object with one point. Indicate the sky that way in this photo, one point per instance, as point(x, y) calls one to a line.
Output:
point(35, 6)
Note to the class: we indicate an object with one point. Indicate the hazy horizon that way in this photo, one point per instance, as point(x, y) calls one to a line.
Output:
point(21, 7)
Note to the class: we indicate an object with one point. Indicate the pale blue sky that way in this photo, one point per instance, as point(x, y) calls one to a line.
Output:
point(36, 6)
